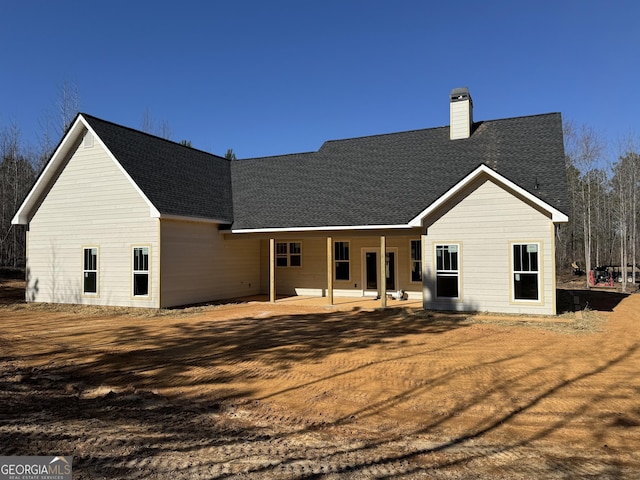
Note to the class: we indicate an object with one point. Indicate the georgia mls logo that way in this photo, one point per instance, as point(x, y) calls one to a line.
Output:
point(35, 468)
point(63, 465)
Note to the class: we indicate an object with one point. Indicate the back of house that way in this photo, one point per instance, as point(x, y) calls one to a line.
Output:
point(462, 217)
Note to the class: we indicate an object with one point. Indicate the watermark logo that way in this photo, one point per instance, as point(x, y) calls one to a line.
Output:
point(36, 468)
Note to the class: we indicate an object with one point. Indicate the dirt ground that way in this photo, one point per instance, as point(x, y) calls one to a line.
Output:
point(259, 390)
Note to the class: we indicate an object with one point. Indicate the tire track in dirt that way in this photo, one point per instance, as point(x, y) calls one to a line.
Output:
point(489, 401)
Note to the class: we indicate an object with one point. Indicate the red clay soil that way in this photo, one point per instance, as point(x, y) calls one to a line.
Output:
point(258, 391)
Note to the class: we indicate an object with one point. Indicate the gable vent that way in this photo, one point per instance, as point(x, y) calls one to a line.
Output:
point(88, 140)
point(461, 113)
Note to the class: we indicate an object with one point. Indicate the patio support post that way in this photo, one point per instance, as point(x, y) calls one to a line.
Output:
point(425, 272)
point(272, 270)
point(330, 270)
point(383, 270)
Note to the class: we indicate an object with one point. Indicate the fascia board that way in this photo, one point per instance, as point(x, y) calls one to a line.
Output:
point(319, 229)
point(556, 215)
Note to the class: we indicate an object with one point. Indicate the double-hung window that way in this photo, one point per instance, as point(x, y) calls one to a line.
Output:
point(416, 261)
point(90, 270)
point(447, 271)
point(288, 254)
point(141, 271)
point(526, 271)
point(341, 260)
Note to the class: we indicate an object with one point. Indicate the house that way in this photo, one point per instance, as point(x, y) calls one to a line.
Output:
point(462, 217)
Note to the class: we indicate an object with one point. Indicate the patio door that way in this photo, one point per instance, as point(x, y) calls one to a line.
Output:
point(371, 274)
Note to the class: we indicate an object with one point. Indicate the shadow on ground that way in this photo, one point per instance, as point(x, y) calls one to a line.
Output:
point(170, 352)
point(571, 300)
point(95, 394)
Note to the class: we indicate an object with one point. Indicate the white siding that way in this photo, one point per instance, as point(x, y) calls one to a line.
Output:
point(90, 204)
point(486, 220)
point(460, 116)
point(311, 277)
point(199, 265)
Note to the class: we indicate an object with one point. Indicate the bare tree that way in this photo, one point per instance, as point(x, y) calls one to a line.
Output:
point(68, 105)
point(54, 123)
point(626, 182)
point(584, 149)
point(148, 126)
point(18, 166)
point(16, 176)
point(47, 141)
point(147, 122)
point(165, 131)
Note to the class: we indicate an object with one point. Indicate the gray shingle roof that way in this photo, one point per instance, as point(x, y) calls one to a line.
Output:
point(376, 180)
point(389, 179)
point(178, 180)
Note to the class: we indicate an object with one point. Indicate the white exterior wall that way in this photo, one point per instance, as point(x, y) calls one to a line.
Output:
point(311, 277)
point(199, 264)
point(485, 221)
point(91, 204)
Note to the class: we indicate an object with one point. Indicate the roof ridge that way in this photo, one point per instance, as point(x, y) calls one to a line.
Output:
point(433, 128)
point(277, 156)
point(382, 134)
point(519, 116)
point(155, 137)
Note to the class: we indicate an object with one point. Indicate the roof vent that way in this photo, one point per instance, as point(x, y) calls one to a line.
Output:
point(461, 113)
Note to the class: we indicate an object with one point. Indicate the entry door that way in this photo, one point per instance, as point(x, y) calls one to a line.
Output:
point(371, 266)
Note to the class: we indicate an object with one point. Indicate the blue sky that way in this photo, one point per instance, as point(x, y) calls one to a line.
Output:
point(274, 77)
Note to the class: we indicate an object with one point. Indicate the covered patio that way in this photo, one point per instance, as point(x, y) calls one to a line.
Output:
point(344, 303)
point(338, 304)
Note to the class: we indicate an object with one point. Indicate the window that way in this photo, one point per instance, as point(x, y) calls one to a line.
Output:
point(288, 254)
point(341, 260)
point(281, 255)
point(416, 261)
point(525, 271)
point(447, 271)
point(90, 270)
point(140, 271)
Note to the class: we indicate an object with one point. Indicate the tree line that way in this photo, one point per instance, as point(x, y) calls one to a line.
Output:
point(603, 186)
point(20, 164)
point(17, 174)
point(603, 183)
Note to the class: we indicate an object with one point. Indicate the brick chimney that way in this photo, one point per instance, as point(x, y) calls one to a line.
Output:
point(461, 113)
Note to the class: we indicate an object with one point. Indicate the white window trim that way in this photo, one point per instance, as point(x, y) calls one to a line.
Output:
point(97, 271)
point(513, 273)
point(288, 254)
point(134, 272)
point(412, 261)
point(335, 261)
point(458, 271)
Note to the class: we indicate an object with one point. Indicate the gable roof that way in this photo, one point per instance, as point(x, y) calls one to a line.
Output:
point(175, 180)
point(389, 180)
point(484, 170)
point(178, 180)
point(381, 181)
